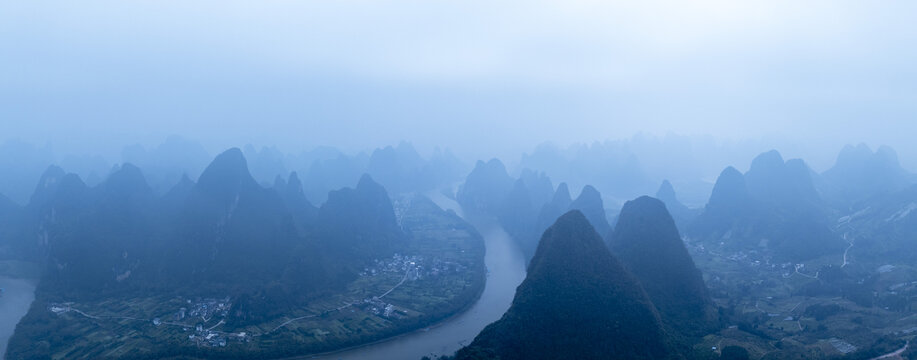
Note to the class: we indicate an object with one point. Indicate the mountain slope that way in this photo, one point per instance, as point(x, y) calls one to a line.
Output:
point(539, 186)
point(291, 191)
point(859, 174)
point(885, 226)
point(517, 214)
point(774, 207)
point(59, 202)
point(485, 189)
point(10, 214)
point(647, 242)
point(680, 213)
point(101, 252)
point(359, 222)
point(576, 302)
point(590, 203)
point(559, 204)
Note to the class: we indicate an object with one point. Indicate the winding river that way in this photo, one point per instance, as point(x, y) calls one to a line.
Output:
point(505, 271)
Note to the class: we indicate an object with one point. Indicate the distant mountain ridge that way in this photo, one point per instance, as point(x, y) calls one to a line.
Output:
point(120, 237)
point(773, 207)
point(859, 174)
point(590, 203)
point(680, 213)
point(526, 222)
point(485, 188)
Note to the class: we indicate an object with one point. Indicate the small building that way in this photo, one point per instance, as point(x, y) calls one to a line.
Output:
point(388, 310)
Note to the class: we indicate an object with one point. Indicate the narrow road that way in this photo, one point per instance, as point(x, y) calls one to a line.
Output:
point(285, 323)
point(218, 324)
point(847, 250)
point(403, 279)
point(894, 354)
point(94, 317)
point(808, 276)
point(342, 307)
point(84, 314)
point(758, 307)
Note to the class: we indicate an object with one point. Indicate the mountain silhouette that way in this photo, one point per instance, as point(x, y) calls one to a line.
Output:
point(590, 203)
point(786, 183)
point(559, 204)
point(291, 191)
point(109, 241)
point(10, 218)
point(647, 242)
point(517, 214)
point(399, 168)
point(680, 213)
point(485, 189)
point(360, 221)
point(859, 174)
point(539, 186)
point(773, 207)
point(55, 208)
point(576, 302)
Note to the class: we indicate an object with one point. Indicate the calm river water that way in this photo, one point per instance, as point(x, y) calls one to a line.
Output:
point(14, 303)
point(505, 271)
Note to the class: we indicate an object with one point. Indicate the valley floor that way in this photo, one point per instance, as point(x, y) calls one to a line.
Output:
point(810, 309)
point(439, 274)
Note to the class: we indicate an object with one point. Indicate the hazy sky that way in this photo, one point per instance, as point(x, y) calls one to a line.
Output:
point(485, 76)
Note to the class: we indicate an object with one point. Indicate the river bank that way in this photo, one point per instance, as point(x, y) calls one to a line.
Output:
point(18, 294)
point(505, 271)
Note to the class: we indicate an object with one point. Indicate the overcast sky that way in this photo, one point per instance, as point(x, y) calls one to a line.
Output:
point(476, 76)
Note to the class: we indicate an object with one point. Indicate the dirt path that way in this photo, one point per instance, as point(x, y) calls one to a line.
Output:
point(342, 307)
point(895, 354)
point(847, 250)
